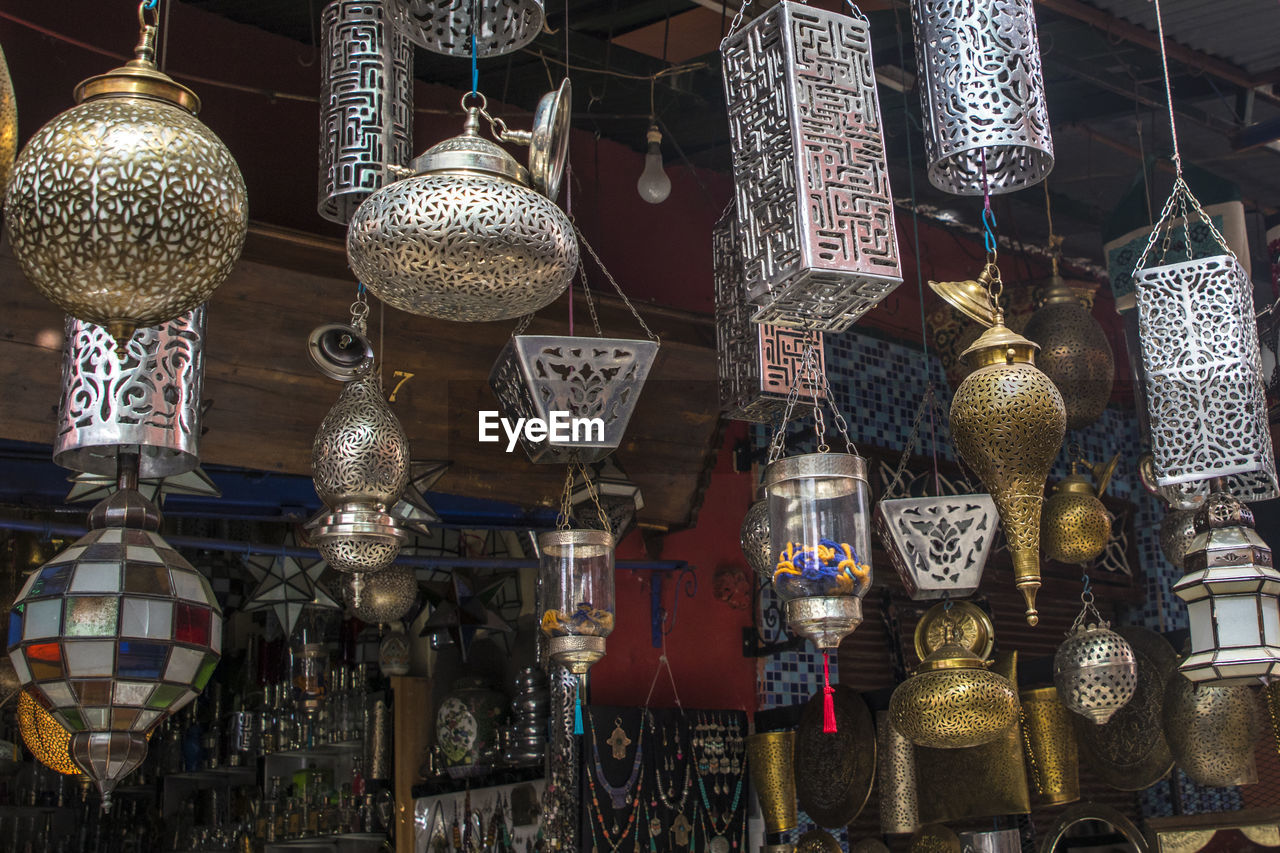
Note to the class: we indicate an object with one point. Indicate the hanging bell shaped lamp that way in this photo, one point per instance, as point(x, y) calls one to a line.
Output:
point(115, 633)
point(1075, 526)
point(1232, 591)
point(8, 124)
point(1095, 670)
point(472, 235)
point(125, 210)
point(1074, 351)
point(1008, 421)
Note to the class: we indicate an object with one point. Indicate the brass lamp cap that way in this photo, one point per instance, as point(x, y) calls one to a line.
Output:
point(1075, 484)
point(471, 154)
point(1056, 290)
point(950, 655)
point(139, 78)
point(968, 297)
point(998, 345)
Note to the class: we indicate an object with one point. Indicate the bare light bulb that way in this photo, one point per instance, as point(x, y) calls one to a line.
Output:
point(654, 186)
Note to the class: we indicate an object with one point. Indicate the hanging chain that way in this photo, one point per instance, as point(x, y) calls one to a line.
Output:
point(737, 19)
point(591, 303)
point(809, 374)
point(576, 467)
point(927, 402)
point(1086, 598)
point(522, 324)
point(566, 500)
point(608, 275)
point(360, 310)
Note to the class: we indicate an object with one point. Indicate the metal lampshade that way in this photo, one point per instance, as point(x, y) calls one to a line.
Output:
point(1050, 740)
point(1232, 590)
point(811, 183)
point(754, 539)
point(770, 758)
point(125, 210)
point(896, 778)
point(447, 26)
point(938, 545)
point(1008, 421)
point(1074, 351)
point(982, 92)
point(1075, 527)
point(1212, 731)
point(360, 466)
point(115, 633)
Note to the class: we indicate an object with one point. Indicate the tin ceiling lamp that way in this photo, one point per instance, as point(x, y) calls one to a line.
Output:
point(472, 235)
point(359, 464)
point(586, 377)
point(115, 633)
point(1007, 420)
point(811, 184)
point(125, 210)
point(986, 123)
point(938, 545)
point(1094, 670)
point(378, 598)
point(819, 528)
point(1199, 339)
point(1075, 526)
point(1232, 591)
point(1074, 351)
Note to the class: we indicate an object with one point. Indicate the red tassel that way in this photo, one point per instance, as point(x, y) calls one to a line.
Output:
point(828, 703)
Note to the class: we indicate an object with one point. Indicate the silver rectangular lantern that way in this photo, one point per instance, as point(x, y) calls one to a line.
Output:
point(811, 183)
point(1204, 384)
point(536, 375)
point(366, 103)
point(757, 363)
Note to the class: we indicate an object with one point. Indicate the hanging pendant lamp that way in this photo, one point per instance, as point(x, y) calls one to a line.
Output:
point(125, 210)
point(1075, 526)
point(8, 124)
point(1095, 669)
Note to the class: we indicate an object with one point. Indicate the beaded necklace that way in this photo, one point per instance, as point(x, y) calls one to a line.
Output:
point(617, 796)
point(718, 843)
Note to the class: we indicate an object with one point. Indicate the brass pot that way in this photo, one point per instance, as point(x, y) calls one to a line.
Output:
point(1074, 351)
point(1049, 737)
point(771, 758)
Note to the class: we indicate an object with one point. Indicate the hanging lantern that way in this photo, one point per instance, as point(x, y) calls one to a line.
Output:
point(771, 760)
point(1232, 591)
point(896, 778)
point(1075, 526)
point(756, 362)
point(1094, 670)
point(394, 652)
point(8, 124)
point(45, 738)
point(1050, 741)
point(811, 184)
point(756, 544)
point(1212, 730)
point(125, 210)
point(381, 597)
point(1074, 351)
point(142, 395)
point(982, 95)
point(115, 633)
point(360, 467)
point(498, 27)
point(1008, 421)
point(366, 102)
point(953, 700)
point(472, 236)
point(616, 493)
point(577, 588)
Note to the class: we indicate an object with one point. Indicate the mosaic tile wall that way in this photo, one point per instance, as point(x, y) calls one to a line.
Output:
point(877, 385)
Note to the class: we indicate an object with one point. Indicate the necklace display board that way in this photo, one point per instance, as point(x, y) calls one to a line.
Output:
point(663, 780)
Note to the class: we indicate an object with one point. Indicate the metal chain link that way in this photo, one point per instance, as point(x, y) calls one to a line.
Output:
point(733, 27)
point(817, 381)
point(608, 275)
point(577, 467)
point(1179, 199)
point(591, 303)
point(928, 402)
point(360, 310)
point(522, 324)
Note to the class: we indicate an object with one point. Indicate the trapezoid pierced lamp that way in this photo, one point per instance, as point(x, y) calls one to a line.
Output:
point(1049, 742)
point(1232, 591)
point(1008, 421)
point(771, 762)
point(953, 700)
point(142, 396)
point(366, 102)
point(1075, 526)
point(115, 633)
point(1074, 351)
point(447, 26)
point(1094, 669)
point(811, 184)
point(982, 95)
point(755, 362)
point(125, 210)
point(472, 235)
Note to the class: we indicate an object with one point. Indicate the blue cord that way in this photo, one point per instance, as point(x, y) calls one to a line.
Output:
point(475, 68)
point(149, 4)
point(988, 228)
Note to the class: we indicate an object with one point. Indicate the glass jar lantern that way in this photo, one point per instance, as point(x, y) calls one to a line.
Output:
point(820, 537)
point(578, 595)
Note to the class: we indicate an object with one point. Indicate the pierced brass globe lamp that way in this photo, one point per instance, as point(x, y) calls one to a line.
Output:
point(1074, 351)
point(8, 124)
point(125, 210)
point(1075, 526)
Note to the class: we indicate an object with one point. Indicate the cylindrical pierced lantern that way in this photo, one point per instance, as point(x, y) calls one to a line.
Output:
point(142, 396)
point(366, 103)
point(811, 183)
point(896, 778)
point(770, 758)
point(1095, 670)
point(447, 26)
point(1050, 741)
point(1212, 731)
point(820, 535)
point(577, 595)
point(982, 94)
point(1205, 394)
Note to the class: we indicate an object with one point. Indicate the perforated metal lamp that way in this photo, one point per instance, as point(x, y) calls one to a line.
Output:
point(115, 633)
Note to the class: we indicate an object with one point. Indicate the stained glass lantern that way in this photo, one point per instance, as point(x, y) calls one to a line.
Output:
point(986, 123)
point(143, 395)
point(578, 595)
point(366, 102)
point(1232, 591)
point(115, 633)
point(447, 27)
point(811, 184)
point(756, 362)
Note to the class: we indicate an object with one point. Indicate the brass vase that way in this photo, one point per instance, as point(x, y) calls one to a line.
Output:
point(1008, 421)
point(1074, 351)
point(771, 759)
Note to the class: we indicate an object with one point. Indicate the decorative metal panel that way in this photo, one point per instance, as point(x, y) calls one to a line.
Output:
point(444, 26)
point(1205, 395)
point(366, 103)
point(146, 397)
point(536, 375)
point(811, 184)
point(757, 362)
point(938, 546)
point(982, 94)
